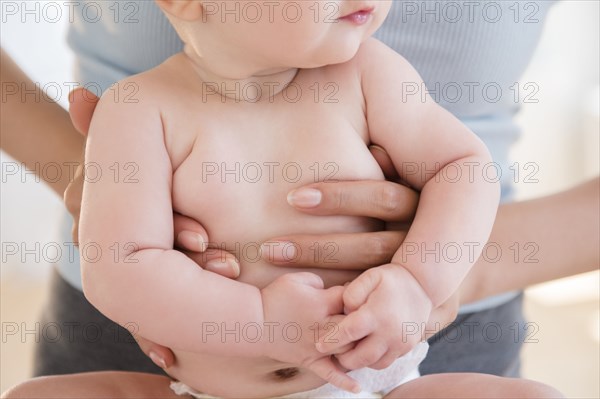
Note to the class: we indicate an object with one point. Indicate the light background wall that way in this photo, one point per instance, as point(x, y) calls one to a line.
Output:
point(560, 136)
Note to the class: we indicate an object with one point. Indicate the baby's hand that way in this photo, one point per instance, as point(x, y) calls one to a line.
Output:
point(297, 311)
point(387, 309)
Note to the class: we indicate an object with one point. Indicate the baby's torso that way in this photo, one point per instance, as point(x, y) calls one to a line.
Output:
point(235, 163)
point(233, 167)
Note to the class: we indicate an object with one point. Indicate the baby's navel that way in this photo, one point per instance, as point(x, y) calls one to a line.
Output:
point(286, 373)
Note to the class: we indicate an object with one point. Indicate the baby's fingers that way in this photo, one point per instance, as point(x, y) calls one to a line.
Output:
point(326, 369)
point(353, 327)
point(368, 352)
point(358, 291)
point(386, 361)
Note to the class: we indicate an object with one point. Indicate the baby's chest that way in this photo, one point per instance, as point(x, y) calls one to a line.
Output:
point(234, 164)
point(256, 162)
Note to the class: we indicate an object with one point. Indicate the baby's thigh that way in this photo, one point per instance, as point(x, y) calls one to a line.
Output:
point(472, 385)
point(95, 385)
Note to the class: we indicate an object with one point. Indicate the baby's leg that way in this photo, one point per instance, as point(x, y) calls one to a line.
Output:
point(471, 385)
point(96, 385)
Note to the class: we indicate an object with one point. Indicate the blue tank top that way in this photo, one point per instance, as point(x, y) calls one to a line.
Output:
point(470, 55)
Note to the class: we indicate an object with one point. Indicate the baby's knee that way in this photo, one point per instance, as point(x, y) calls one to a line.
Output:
point(538, 390)
point(30, 389)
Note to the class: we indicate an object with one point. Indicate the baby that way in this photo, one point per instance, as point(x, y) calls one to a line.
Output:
point(265, 97)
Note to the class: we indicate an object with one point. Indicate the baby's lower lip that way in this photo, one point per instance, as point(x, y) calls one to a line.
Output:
point(359, 17)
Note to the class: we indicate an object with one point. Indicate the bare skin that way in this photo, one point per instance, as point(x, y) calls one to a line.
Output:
point(97, 385)
point(127, 385)
point(574, 211)
point(389, 201)
point(38, 141)
point(259, 270)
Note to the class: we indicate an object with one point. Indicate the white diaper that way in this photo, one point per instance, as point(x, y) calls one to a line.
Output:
point(375, 383)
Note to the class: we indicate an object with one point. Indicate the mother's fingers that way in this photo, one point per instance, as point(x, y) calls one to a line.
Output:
point(161, 355)
point(217, 261)
point(189, 234)
point(351, 251)
point(82, 104)
point(385, 162)
point(382, 200)
point(192, 238)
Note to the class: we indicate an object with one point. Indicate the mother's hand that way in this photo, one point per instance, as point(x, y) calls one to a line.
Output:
point(189, 236)
point(391, 202)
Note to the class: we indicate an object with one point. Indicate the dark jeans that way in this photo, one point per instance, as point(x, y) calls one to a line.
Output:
point(483, 342)
point(89, 341)
point(477, 342)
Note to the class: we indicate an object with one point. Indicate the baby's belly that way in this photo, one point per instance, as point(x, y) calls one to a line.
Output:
point(227, 377)
point(242, 214)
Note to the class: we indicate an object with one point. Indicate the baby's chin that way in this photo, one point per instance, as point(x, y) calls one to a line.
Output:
point(337, 56)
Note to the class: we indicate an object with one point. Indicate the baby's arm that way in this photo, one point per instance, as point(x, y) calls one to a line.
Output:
point(131, 272)
point(437, 155)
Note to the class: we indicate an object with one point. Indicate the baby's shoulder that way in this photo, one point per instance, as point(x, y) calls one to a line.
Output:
point(373, 63)
point(373, 47)
point(374, 55)
point(352, 70)
point(144, 90)
point(380, 66)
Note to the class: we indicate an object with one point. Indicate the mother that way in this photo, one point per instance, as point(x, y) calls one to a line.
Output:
point(463, 55)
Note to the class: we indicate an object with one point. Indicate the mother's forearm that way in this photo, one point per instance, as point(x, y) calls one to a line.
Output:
point(539, 240)
point(36, 131)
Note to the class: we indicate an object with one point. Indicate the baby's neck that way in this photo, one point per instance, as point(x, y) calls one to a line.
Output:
point(258, 86)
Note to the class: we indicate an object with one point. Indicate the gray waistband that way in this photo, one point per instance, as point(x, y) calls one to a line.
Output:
point(488, 303)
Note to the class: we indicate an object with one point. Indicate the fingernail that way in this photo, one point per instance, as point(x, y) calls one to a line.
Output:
point(378, 148)
point(304, 197)
point(279, 251)
point(192, 241)
point(227, 264)
point(159, 361)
